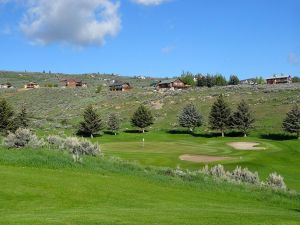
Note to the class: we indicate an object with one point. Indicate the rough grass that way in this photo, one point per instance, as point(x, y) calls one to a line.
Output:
point(43, 187)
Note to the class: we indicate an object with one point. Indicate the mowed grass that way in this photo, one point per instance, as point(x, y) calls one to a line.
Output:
point(164, 149)
point(45, 187)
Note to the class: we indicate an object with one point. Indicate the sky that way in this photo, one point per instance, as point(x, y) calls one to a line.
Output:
point(157, 38)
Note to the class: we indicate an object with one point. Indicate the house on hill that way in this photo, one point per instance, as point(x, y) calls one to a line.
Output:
point(174, 84)
point(281, 79)
point(31, 85)
point(120, 86)
point(6, 85)
point(73, 83)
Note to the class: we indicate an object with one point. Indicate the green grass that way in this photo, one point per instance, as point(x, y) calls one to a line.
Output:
point(43, 187)
point(164, 149)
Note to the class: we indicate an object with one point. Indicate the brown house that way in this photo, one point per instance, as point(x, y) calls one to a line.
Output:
point(73, 83)
point(171, 85)
point(31, 85)
point(120, 86)
point(279, 80)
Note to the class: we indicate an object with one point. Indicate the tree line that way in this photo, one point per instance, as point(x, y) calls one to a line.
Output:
point(221, 118)
point(211, 80)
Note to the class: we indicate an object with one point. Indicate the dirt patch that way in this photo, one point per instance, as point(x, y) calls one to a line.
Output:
point(248, 146)
point(202, 158)
point(157, 105)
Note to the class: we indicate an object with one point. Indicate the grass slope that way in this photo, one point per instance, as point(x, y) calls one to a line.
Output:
point(43, 187)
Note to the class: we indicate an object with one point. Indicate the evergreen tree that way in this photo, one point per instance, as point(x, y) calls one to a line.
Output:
point(219, 118)
point(113, 123)
point(220, 80)
point(242, 118)
point(190, 117)
point(291, 123)
point(142, 118)
point(201, 80)
point(22, 120)
point(188, 78)
point(233, 80)
point(6, 116)
point(92, 122)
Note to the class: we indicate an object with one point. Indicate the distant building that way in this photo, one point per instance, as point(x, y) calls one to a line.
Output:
point(120, 86)
point(6, 85)
point(251, 81)
point(73, 83)
point(279, 79)
point(141, 77)
point(171, 85)
point(31, 85)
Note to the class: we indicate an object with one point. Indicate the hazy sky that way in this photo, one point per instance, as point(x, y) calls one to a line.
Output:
point(151, 37)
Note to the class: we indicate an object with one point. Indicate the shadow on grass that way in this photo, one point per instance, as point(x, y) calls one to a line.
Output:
point(110, 133)
point(206, 135)
point(134, 131)
point(278, 137)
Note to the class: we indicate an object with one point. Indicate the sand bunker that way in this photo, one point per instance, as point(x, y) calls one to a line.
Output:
point(202, 158)
point(245, 146)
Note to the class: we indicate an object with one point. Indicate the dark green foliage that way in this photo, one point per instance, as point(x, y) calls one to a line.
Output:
point(233, 80)
point(190, 117)
point(260, 80)
point(188, 78)
point(6, 117)
point(142, 118)
point(92, 123)
point(219, 117)
point(201, 80)
point(113, 123)
point(22, 120)
point(220, 80)
point(291, 123)
point(296, 79)
point(210, 80)
point(242, 118)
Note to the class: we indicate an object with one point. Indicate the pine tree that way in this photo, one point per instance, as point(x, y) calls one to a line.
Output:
point(113, 123)
point(22, 120)
point(219, 118)
point(91, 124)
point(190, 117)
point(291, 123)
point(6, 116)
point(233, 80)
point(142, 118)
point(242, 118)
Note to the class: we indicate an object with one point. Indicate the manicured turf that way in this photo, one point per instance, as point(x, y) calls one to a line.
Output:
point(164, 149)
point(42, 187)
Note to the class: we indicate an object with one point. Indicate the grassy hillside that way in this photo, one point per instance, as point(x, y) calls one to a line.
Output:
point(43, 187)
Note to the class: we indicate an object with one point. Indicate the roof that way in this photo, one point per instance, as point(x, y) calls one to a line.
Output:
point(168, 81)
point(278, 76)
point(119, 83)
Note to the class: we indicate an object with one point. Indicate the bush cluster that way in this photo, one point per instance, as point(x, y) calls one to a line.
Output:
point(76, 147)
point(238, 175)
point(23, 138)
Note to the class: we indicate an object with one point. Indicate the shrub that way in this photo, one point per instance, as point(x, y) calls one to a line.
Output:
point(218, 171)
point(22, 138)
point(244, 175)
point(56, 141)
point(276, 181)
point(77, 148)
